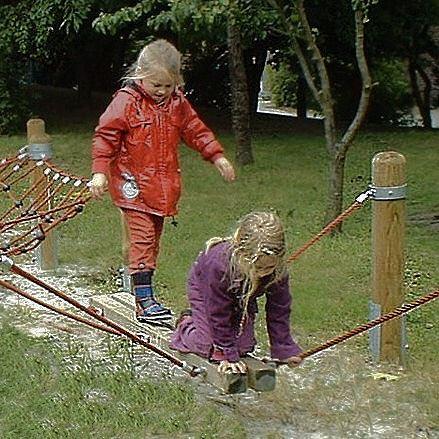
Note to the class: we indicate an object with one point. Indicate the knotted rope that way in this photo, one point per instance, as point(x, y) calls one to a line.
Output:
point(55, 197)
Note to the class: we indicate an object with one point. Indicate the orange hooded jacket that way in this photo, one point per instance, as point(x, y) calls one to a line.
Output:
point(136, 146)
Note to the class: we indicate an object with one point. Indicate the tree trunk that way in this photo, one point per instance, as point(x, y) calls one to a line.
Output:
point(254, 66)
point(422, 100)
point(335, 189)
point(240, 97)
point(301, 96)
point(314, 69)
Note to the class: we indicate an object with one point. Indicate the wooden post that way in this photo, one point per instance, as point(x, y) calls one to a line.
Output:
point(40, 149)
point(388, 229)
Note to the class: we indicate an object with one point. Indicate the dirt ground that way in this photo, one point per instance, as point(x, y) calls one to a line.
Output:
point(338, 393)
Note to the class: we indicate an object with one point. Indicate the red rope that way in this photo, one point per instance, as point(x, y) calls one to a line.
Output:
point(192, 370)
point(326, 230)
point(397, 312)
point(79, 319)
point(68, 205)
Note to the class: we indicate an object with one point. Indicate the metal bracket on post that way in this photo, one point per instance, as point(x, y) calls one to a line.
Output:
point(388, 193)
point(40, 151)
point(124, 280)
point(375, 333)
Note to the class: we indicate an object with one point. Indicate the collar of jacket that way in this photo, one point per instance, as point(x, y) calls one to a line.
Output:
point(133, 85)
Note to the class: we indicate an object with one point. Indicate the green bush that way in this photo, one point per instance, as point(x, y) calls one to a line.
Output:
point(391, 98)
point(14, 108)
point(282, 82)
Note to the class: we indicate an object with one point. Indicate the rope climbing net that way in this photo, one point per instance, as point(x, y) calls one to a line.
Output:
point(41, 196)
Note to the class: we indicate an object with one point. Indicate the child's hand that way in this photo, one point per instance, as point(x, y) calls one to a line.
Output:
point(225, 168)
point(99, 184)
point(293, 361)
point(232, 367)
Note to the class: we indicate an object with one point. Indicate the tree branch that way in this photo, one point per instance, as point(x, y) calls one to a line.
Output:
point(366, 81)
point(326, 102)
point(298, 51)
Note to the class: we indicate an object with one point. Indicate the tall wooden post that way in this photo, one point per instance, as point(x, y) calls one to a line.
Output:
point(40, 149)
point(388, 342)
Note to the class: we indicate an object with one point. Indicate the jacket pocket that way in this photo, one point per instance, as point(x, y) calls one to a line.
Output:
point(140, 129)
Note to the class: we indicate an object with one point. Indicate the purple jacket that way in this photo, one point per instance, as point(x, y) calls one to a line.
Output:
point(216, 312)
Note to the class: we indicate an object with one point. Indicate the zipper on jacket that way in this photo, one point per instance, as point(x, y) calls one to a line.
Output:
point(162, 141)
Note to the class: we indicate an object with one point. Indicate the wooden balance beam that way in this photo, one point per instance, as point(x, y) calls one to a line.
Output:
point(119, 307)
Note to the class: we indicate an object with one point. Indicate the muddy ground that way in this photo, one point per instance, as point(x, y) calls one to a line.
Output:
point(339, 393)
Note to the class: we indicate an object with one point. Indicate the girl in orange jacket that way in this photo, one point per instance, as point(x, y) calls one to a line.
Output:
point(135, 155)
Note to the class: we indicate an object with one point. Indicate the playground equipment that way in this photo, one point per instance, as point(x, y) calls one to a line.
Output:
point(56, 196)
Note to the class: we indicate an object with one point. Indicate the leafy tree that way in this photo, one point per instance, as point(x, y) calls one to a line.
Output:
point(304, 42)
point(26, 35)
point(48, 34)
point(391, 99)
point(404, 33)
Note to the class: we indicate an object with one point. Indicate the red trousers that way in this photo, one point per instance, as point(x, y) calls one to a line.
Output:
point(143, 232)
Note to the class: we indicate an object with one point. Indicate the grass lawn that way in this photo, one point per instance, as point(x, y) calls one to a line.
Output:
point(330, 282)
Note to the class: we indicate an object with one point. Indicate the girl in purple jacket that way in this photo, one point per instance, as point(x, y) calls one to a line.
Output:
point(223, 287)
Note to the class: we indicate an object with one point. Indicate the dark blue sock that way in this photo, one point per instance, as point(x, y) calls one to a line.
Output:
point(142, 284)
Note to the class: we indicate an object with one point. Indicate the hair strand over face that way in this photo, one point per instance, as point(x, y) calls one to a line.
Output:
point(257, 234)
point(158, 56)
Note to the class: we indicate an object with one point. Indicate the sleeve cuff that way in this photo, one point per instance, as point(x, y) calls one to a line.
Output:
point(215, 157)
point(99, 166)
point(211, 150)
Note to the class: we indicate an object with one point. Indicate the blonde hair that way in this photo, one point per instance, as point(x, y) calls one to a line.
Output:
point(257, 234)
point(158, 56)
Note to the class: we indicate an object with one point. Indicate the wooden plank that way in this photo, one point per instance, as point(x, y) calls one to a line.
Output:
point(119, 307)
point(261, 376)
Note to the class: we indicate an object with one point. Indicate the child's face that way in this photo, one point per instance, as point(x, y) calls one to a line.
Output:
point(159, 86)
point(265, 265)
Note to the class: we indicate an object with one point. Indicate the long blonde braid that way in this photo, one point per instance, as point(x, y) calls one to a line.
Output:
point(257, 234)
